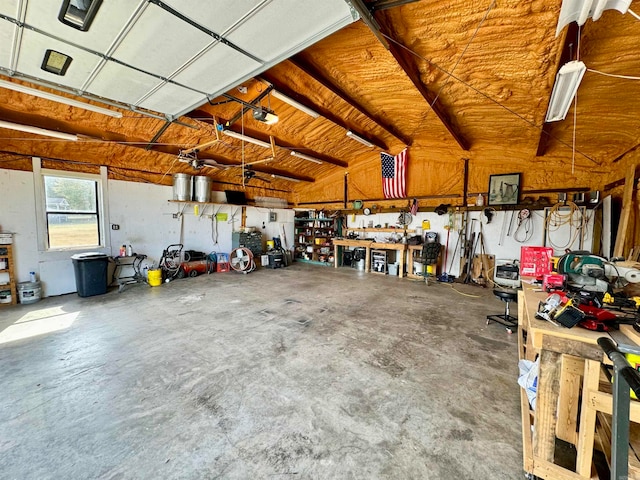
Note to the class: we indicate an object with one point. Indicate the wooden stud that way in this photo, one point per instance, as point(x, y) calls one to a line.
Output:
point(570, 381)
point(544, 440)
point(587, 419)
point(627, 199)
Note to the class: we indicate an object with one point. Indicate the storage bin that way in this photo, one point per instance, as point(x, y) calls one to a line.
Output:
point(91, 273)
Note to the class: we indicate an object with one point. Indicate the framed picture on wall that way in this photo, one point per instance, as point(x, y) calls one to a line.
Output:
point(504, 189)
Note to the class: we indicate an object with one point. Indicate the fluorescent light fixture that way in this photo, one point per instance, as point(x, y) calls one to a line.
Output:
point(580, 10)
point(265, 115)
point(357, 138)
point(57, 98)
point(564, 90)
point(79, 13)
point(305, 157)
point(239, 136)
point(282, 97)
point(55, 62)
point(275, 175)
point(38, 131)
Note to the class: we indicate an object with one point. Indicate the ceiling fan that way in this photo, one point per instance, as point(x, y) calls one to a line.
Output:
point(250, 174)
point(199, 163)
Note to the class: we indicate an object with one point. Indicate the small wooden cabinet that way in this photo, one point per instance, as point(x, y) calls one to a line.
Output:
point(6, 260)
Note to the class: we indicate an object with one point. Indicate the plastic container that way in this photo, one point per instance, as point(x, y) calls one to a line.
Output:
point(535, 261)
point(5, 296)
point(29, 292)
point(91, 273)
point(393, 268)
point(154, 277)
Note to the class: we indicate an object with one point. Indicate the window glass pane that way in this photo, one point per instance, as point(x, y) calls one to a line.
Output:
point(73, 230)
point(70, 195)
point(72, 212)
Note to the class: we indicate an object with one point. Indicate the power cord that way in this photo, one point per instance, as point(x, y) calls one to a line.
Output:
point(525, 222)
point(557, 218)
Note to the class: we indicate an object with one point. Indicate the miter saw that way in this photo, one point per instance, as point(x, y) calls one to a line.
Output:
point(592, 273)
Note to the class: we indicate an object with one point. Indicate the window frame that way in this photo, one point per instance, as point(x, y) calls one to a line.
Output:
point(42, 213)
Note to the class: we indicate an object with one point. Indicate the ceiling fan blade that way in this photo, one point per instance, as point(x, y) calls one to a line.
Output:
point(214, 164)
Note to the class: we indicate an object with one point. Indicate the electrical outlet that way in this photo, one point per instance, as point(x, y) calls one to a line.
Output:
point(115, 226)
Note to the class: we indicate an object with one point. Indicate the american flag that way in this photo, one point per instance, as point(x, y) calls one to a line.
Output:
point(414, 207)
point(394, 173)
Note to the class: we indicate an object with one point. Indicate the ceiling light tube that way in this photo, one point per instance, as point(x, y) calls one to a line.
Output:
point(564, 90)
point(305, 157)
point(239, 136)
point(275, 175)
point(38, 131)
point(580, 10)
point(57, 98)
point(284, 98)
point(357, 138)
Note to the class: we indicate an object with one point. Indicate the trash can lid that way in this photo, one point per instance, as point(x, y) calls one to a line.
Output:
point(88, 256)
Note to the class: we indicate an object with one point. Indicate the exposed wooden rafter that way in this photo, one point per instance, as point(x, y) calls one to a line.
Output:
point(326, 113)
point(314, 73)
point(202, 116)
point(382, 31)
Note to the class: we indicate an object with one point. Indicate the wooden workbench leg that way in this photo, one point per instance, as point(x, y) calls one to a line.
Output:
point(544, 439)
point(401, 264)
point(367, 260)
point(587, 430)
point(570, 382)
point(335, 256)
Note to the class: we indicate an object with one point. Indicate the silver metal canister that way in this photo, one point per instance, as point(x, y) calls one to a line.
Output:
point(182, 187)
point(202, 188)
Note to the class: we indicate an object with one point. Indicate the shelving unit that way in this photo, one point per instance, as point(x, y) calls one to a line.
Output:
point(314, 238)
point(6, 253)
point(379, 261)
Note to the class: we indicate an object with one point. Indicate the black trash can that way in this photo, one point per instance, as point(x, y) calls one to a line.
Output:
point(91, 273)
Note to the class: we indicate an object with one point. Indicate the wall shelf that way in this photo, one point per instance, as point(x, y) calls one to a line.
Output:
point(381, 230)
point(6, 253)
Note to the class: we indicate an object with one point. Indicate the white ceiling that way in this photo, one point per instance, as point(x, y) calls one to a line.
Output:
point(168, 60)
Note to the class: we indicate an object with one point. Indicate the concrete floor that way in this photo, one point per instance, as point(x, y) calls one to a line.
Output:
point(305, 372)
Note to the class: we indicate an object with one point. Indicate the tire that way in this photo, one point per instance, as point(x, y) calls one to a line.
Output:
point(181, 273)
point(193, 273)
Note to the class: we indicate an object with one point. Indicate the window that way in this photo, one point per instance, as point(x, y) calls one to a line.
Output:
point(72, 211)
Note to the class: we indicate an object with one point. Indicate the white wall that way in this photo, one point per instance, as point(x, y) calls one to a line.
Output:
point(146, 221)
point(508, 248)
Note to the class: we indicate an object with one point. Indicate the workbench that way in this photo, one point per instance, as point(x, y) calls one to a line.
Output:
point(571, 393)
point(367, 245)
point(348, 242)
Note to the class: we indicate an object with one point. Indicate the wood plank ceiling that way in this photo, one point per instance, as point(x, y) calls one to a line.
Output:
point(451, 80)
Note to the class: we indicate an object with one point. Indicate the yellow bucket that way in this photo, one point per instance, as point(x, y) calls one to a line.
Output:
point(271, 244)
point(154, 277)
point(431, 269)
point(426, 225)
